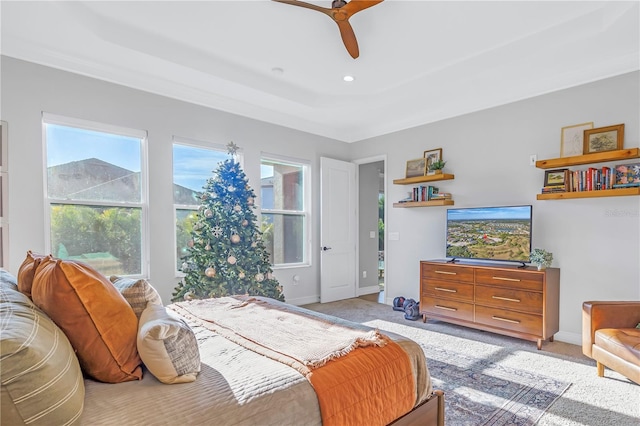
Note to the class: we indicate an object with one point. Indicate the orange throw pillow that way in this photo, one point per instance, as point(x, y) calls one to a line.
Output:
point(98, 321)
point(27, 271)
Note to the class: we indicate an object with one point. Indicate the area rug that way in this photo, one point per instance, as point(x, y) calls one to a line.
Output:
point(478, 392)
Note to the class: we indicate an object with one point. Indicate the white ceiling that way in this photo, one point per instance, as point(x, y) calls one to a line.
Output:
point(420, 61)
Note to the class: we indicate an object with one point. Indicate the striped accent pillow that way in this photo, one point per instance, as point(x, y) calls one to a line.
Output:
point(167, 346)
point(137, 292)
point(42, 382)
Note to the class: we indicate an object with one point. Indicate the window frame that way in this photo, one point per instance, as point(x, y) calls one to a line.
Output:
point(193, 143)
point(305, 165)
point(54, 119)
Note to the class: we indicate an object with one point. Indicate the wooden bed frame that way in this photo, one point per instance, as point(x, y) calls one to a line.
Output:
point(429, 413)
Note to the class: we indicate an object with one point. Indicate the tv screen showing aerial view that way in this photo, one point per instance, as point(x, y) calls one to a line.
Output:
point(498, 233)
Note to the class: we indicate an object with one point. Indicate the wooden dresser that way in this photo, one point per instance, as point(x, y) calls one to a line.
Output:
point(517, 302)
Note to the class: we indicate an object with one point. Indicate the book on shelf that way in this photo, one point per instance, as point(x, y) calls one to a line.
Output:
point(423, 193)
point(627, 174)
point(596, 179)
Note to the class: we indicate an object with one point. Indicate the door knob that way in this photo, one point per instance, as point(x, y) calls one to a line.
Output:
point(324, 248)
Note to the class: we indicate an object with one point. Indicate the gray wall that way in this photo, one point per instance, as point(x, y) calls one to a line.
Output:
point(29, 89)
point(369, 188)
point(595, 241)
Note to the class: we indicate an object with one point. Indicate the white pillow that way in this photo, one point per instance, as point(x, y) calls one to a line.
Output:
point(168, 346)
point(137, 292)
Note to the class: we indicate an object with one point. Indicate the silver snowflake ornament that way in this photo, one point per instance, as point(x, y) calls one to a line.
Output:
point(217, 231)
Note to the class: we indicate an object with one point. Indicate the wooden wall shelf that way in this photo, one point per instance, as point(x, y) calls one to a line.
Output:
point(421, 179)
point(618, 192)
point(431, 203)
point(599, 157)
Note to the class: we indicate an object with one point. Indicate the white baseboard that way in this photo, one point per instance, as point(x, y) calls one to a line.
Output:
point(569, 337)
point(304, 300)
point(368, 290)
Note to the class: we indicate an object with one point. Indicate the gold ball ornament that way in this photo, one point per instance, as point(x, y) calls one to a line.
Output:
point(259, 277)
point(254, 244)
point(241, 275)
point(245, 222)
point(189, 296)
point(232, 260)
point(231, 188)
point(190, 243)
point(250, 201)
point(207, 247)
point(210, 272)
point(235, 238)
point(208, 213)
point(237, 208)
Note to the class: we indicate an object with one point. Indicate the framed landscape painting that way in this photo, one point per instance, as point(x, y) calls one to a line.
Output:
point(417, 167)
point(602, 139)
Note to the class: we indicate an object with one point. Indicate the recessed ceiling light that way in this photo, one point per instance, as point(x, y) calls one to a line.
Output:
point(348, 78)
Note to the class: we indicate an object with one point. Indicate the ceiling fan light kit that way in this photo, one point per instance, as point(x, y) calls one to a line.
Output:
point(340, 12)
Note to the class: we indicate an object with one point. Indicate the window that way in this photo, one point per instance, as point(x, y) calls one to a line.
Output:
point(193, 164)
point(285, 210)
point(96, 194)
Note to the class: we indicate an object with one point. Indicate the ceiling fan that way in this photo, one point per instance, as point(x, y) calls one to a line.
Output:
point(340, 12)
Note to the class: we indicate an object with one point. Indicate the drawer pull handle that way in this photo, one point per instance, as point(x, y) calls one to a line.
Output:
point(446, 272)
point(446, 289)
point(505, 320)
point(446, 308)
point(506, 279)
point(508, 299)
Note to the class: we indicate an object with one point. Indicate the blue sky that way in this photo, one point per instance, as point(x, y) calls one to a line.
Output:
point(515, 212)
point(66, 144)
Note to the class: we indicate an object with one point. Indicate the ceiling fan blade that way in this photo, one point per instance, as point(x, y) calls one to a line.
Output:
point(349, 38)
point(355, 6)
point(324, 10)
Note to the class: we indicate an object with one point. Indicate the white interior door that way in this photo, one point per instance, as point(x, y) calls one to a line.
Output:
point(337, 230)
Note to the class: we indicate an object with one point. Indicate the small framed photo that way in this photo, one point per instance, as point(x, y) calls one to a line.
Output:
point(417, 167)
point(572, 139)
point(554, 177)
point(608, 138)
point(433, 155)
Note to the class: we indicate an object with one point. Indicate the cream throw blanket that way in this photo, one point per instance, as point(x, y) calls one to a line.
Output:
point(273, 329)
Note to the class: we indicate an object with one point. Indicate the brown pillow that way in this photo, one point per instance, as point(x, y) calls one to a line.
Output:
point(98, 321)
point(27, 271)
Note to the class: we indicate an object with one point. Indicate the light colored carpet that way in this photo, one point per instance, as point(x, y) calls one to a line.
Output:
point(590, 400)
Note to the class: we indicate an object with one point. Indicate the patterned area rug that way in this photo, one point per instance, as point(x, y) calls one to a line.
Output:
point(478, 392)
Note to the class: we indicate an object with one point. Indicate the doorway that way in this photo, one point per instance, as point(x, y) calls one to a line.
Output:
point(371, 234)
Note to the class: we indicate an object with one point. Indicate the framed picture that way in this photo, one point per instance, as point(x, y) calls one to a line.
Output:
point(627, 175)
point(603, 139)
point(417, 167)
point(554, 177)
point(432, 155)
point(572, 139)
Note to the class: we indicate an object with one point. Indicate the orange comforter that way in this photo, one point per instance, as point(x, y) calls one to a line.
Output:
point(368, 386)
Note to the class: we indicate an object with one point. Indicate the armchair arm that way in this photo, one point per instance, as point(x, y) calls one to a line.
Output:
point(606, 314)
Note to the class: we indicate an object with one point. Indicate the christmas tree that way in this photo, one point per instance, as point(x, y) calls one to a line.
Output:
point(226, 253)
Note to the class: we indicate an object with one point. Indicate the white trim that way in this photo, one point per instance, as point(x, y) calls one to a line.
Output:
point(372, 289)
point(143, 205)
point(304, 300)
point(48, 118)
point(305, 165)
point(569, 337)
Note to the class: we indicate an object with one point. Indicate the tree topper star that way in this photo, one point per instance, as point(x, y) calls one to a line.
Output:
point(232, 148)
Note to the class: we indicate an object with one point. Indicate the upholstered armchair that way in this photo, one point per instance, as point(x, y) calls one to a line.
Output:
point(610, 338)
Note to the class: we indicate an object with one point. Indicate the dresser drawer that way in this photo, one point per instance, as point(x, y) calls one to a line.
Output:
point(509, 320)
point(516, 279)
point(448, 289)
point(447, 272)
point(509, 298)
point(447, 308)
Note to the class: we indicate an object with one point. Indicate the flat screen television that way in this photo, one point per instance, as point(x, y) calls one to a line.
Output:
point(490, 233)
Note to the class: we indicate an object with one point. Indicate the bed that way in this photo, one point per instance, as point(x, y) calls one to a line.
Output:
point(243, 381)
